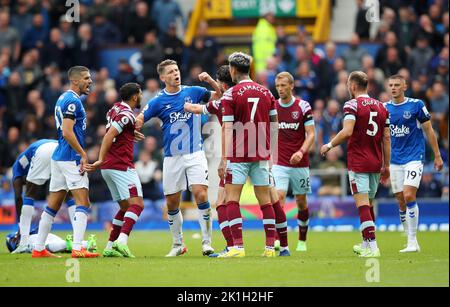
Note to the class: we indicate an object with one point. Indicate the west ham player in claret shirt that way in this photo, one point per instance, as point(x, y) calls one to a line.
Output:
point(117, 167)
point(366, 127)
point(249, 113)
point(295, 137)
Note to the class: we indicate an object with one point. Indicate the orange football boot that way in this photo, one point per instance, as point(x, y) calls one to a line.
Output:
point(43, 254)
point(83, 253)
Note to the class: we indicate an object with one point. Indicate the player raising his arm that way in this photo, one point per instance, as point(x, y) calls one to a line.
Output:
point(249, 114)
point(295, 137)
point(185, 162)
point(366, 127)
point(32, 169)
point(408, 116)
point(116, 162)
point(68, 165)
point(215, 107)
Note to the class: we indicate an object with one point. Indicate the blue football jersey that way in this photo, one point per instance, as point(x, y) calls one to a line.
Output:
point(407, 139)
point(69, 106)
point(181, 131)
point(22, 164)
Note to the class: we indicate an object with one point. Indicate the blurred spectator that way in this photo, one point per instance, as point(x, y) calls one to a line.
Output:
point(429, 186)
point(166, 12)
point(103, 31)
point(52, 92)
point(263, 41)
point(392, 63)
point(354, 54)
point(30, 71)
point(331, 184)
point(152, 55)
point(31, 128)
point(331, 121)
point(407, 27)
point(151, 90)
point(362, 26)
point(56, 51)
point(68, 35)
point(200, 55)
point(420, 57)
point(37, 35)
point(428, 31)
point(305, 83)
point(22, 19)
point(172, 46)
point(150, 175)
point(139, 23)
point(124, 74)
point(9, 36)
point(439, 101)
point(192, 79)
point(209, 46)
point(85, 52)
point(390, 41)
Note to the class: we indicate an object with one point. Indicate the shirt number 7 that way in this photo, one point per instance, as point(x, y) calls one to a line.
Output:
point(255, 105)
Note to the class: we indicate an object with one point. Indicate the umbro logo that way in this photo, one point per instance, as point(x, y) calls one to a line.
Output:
point(168, 106)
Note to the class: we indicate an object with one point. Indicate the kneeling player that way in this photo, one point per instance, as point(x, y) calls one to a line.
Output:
point(116, 163)
point(32, 169)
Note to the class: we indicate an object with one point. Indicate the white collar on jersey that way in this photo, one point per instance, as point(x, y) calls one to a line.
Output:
point(364, 95)
point(74, 93)
point(125, 104)
point(246, 80)
point(287, 105)
point(400, 103)
point(170, 94)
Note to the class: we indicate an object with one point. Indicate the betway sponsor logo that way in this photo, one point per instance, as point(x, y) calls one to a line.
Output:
point(292, 126)
point(399, 131)
point(179, 116)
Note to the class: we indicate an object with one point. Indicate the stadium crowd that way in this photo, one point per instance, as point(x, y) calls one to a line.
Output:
point(38, 44)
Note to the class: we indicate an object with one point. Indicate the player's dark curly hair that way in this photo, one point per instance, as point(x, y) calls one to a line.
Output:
point(223, 75)
point(240, 61)
point(128, 90)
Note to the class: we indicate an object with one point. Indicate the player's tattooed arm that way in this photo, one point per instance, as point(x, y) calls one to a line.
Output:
point(205, 77)
point(223, 161)
point(106, 145)
point(385, 172)
point(193, 108)
point(431, 136)
point(70, 137)
point(341, 137)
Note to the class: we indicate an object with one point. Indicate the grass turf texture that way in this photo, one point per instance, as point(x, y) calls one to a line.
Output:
point(328, 262)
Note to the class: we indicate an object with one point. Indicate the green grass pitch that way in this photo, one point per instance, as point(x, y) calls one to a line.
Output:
point(328, 262)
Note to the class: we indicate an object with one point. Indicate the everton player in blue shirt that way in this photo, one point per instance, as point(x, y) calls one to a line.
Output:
point(185, 163)
point(69, 165)
point(409, 118)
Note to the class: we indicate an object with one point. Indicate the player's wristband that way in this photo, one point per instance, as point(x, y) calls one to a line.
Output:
point(329, 145)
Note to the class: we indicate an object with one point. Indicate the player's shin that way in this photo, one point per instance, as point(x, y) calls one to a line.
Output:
point(303, 224)
point(281, 224)
point(403, 220)
point(45, 225)
point(79, 226)
point(175, 220)
point(224, 224)
point(25, 220)
point(367, 227)
point(130, 218)
point(412, 216)
point(205, 221)
point(235, 222)
point(269, 224)
point(71, 207)
point(117, 224)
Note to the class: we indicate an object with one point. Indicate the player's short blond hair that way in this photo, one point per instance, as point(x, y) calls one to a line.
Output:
point(162, 66)
point(287, 75)
point(398, 77)
point(360, 79)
